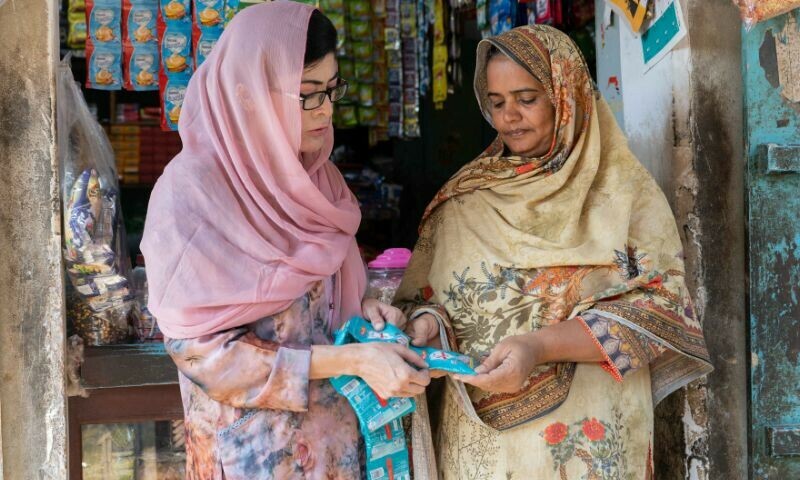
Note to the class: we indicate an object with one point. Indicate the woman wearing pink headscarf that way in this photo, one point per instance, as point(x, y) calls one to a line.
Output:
point(252, 260)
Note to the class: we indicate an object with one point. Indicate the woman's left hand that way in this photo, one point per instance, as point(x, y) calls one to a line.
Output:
point(379, 313)
point(508, 366)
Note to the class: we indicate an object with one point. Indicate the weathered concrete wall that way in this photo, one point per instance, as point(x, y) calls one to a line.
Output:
point(32, 340)
point(684, 121)
point(710, 197)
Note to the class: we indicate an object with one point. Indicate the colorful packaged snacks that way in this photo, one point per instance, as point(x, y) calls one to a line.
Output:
point(141, 67)
point(372, 412)
point(140, 19)
point(346, 116)
point(175, 11)
point(76, 33)
point(339, 21)
point(104, 66)
point(362, 51)
point(501, 15)
point(360, 30)
point(364, 71)
point(387, 453)
point(172, 93)
point(450, 362)
point(368, 116)
point(104, 21)
point(176, 47)
point(366, 95)
point(331, 5)
point(209, 13)
point(231, 9)
point(205, 43)
point(358, 8)
point(76, 6)
point(99, 302)
point(347, 68)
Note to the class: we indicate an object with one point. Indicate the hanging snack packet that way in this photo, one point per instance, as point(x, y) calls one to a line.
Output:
point(205, 43)
point(366, 95)
point(364, 70)
point(358, 8)
point(76, 35)
point(175, 11)
point(501, 15)
point(141, 67)
point(360, 30)
point(104, 21)
point(231, 9)
point(346, 116)
point(76, 6)
point(140, 18)
point(176, 46)
point(104, 66)
point(209, 13)
point(368, 116)
point(173, 91)
point(387, 453)
point(331, 5)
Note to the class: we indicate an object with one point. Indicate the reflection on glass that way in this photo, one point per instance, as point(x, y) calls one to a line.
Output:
point(134, 451)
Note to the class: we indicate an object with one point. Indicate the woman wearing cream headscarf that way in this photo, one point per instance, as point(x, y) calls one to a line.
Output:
point(556, 257)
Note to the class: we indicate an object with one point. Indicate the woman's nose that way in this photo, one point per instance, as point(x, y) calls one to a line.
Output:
point(511, 114)
point(326, 108)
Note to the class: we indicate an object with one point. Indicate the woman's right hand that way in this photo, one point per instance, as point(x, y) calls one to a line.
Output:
point(385, 367)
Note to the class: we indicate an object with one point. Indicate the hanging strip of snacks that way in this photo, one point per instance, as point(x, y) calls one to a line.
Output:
point(384, 52)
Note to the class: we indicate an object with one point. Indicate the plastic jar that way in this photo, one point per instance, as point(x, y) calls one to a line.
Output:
point(386, 272)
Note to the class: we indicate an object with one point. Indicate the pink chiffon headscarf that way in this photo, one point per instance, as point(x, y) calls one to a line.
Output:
point(242, 224)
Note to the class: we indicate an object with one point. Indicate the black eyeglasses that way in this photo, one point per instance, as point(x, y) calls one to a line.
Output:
point(312, 101)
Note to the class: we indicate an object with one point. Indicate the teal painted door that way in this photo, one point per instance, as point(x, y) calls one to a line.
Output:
point(771, 54)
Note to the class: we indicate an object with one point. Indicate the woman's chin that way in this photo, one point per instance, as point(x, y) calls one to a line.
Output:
point(311, 146)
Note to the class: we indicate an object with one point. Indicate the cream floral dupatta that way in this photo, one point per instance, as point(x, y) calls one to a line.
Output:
point(513, 244)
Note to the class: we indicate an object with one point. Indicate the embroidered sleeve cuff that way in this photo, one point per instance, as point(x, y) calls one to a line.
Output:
point(608, 364)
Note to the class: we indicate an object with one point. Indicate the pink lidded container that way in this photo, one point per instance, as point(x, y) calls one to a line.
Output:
point(386, 272)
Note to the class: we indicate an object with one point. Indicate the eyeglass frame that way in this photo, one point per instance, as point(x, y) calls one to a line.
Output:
point(328, 93)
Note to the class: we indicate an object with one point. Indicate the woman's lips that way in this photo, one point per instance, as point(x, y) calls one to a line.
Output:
point(516, 133)
point(320, 131)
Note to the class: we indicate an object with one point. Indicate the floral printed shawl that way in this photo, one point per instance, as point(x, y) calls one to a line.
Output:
point(513, 244)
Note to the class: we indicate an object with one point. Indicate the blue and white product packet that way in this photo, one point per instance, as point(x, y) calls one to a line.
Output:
point(450, 362)
point(387, 453)
point(205, 43)
point(372, 411)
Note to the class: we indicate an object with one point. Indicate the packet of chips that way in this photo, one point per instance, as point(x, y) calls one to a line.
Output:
point(104, 66)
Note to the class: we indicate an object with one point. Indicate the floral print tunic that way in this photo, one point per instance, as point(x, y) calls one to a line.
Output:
point(251, 411)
